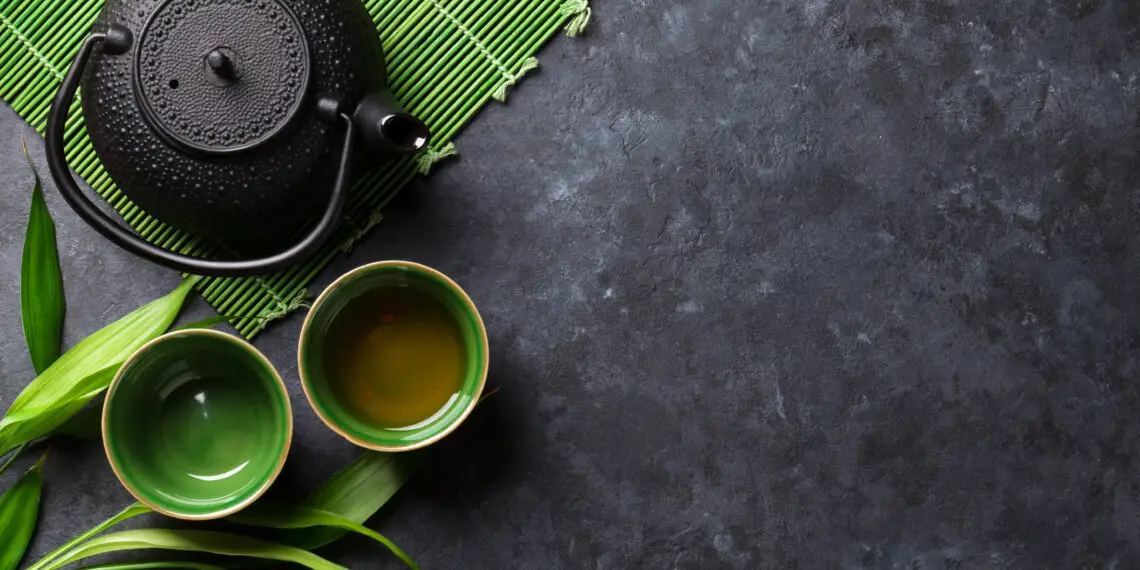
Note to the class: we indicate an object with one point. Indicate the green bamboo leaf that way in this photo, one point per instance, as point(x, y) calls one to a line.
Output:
point(298, 517)
point(356, 493)
point(19, 508)
point(204, 541)
point(107, 346)
point(206, 323)
point(66, 385)
point(159, 565)
point(130, 512)
point(372, 469)
point(27, 424)
point(41, 282)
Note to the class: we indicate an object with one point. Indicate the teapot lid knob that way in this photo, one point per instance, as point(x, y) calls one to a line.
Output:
point(221, 65)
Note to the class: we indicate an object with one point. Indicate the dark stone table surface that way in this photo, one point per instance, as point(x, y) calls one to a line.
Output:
point(813, 283)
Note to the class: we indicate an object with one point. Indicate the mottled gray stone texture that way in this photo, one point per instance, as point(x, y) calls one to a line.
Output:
point(769, 284)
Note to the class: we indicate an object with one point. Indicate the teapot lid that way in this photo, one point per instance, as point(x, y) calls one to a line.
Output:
point(220, 76)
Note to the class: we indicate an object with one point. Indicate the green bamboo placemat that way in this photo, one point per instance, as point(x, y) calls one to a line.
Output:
point(446, 59)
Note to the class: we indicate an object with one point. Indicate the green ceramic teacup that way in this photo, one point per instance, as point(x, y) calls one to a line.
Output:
point(197, 424)
point(315, 345)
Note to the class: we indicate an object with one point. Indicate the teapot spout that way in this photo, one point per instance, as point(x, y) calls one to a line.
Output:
point(387, 128)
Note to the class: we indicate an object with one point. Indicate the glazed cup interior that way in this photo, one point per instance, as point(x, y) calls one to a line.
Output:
point(197, 424)
point(315, 370)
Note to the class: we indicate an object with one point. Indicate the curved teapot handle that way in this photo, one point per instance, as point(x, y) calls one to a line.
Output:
point(118, 40)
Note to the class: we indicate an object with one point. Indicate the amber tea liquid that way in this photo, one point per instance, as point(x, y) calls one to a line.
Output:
point(395, 357)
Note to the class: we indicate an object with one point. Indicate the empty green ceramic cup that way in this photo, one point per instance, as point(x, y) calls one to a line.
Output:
point(313, 354)
point(197, 424)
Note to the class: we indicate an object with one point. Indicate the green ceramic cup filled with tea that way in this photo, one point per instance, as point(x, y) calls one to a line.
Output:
point(393, 356)
point(197, 424)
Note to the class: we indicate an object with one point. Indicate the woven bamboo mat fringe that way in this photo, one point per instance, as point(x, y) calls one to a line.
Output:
point(446, 60)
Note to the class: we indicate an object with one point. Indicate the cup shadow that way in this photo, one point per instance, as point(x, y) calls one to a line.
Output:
point(460, 469)
point(463, 468)
point(415, 227)
point(466, 465)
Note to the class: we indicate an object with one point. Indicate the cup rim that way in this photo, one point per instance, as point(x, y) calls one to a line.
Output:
point(280, 460)
point(302, 345)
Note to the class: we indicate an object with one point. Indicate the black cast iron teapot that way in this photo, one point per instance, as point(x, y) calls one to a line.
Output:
point(232, 119)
